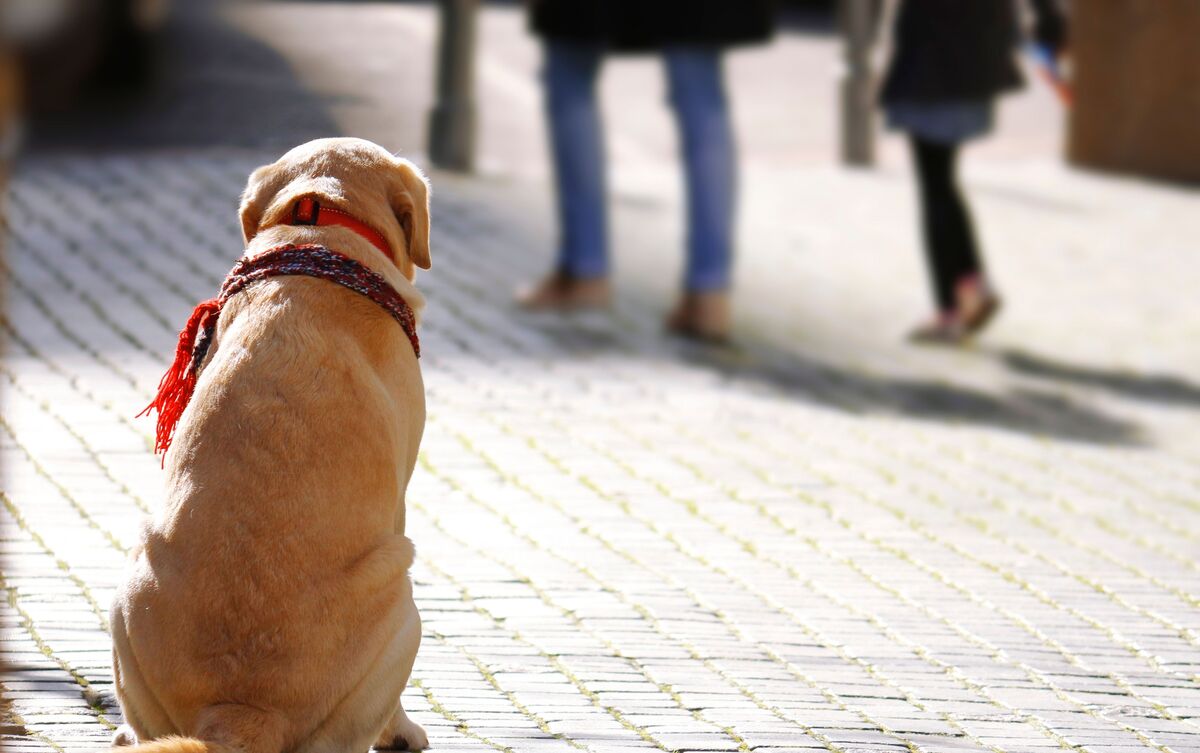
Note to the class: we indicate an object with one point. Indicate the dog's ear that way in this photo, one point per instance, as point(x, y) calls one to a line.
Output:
point(410, 203)
point(262, 186)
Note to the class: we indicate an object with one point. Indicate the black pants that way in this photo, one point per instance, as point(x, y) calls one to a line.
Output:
point(949, 235)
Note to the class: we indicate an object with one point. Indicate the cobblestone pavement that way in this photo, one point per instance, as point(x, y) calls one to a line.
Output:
point(628, 543)
point(821, 538)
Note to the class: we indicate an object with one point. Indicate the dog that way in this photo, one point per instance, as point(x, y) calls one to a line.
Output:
point(268, 606)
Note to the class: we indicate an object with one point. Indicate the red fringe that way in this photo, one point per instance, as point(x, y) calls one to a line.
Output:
point(176, 387)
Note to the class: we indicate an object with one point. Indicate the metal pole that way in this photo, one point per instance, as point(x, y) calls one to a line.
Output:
point(452, 121)
point(857, 85)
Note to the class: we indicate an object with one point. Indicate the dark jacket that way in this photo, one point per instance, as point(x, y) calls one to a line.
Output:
point(956, 50)
point(641, 25)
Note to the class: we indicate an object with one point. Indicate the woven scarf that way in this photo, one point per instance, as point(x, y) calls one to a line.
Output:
point(177, 385)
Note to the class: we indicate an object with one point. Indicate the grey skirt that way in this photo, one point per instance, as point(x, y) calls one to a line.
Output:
point(942, 122)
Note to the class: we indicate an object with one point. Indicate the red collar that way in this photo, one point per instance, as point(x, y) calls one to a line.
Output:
point(308, 211)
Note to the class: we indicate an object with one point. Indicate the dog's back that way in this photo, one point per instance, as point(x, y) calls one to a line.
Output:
point(268, 607)
point(276, 560)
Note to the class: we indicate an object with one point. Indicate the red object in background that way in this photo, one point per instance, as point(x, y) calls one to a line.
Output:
point(1049, 67)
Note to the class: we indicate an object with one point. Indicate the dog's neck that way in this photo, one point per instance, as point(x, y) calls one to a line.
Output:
point(308, 211)
point(284, 231)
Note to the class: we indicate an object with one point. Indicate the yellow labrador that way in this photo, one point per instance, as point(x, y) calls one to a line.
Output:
point(268, 607)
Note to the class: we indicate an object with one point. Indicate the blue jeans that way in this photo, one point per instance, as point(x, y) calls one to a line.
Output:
point(706, 134)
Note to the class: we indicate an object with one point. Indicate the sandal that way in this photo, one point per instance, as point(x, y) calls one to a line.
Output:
point(701, 316)
point(977, 303)
point(560, 291)
point(947, 328)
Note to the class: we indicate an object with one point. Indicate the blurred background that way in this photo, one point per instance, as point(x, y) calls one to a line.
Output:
point(811, 533)
point(1080, 192)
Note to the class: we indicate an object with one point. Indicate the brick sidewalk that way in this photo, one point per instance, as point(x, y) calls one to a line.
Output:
point(820, 539)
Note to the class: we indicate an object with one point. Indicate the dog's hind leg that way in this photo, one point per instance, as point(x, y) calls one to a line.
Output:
point(224, 728)
point(145, 718)
point(246, 729)
point(402, 733)
point(124, 737)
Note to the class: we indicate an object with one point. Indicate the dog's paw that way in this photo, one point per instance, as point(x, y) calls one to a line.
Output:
point(407, 735)
point(124, 736)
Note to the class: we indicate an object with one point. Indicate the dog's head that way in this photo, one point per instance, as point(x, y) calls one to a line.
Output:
point(386, 192)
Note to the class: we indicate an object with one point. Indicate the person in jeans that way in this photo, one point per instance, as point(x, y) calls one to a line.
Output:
point(578, 35)
point(951, 59)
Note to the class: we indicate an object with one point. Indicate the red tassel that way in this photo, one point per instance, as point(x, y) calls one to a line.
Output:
point(176, 387)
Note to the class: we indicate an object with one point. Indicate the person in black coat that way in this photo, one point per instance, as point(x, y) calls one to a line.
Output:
point(951, 59)
point(652, 25)
point(691, 35)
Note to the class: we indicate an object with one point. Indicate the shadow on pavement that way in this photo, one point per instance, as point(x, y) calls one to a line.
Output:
point(211, 86)
point(1027, 411)
point(767, 364)
point(802, 376)
point(1157, 389)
